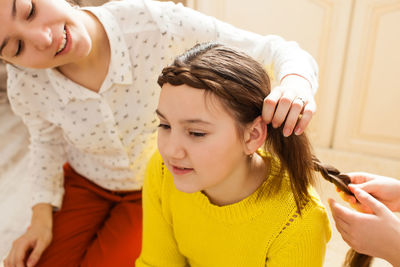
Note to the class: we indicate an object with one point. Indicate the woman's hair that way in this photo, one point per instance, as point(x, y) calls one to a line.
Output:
point(241, 84)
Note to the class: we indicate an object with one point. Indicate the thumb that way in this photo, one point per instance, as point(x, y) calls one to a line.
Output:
point(36, 254)
point(366, 199)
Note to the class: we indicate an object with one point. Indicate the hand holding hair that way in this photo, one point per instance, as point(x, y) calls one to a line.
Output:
point(384, 189)
point(355, 228)
point(292, 104)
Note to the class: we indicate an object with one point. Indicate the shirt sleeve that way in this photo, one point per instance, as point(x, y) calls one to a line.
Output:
point(46, 151)
point(159, 247)
point(303, 242)
point(191, 27)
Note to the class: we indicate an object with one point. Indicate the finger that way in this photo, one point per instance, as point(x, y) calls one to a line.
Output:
point(11, 255)
point(369, 186)
point(20, 254)
point(36, 254)
point(366, 199)
point(270, 103)
point(308, 113)
point(341, 224)
point(282, 109)
point(340, 212)
point(293, 116)
point(358, 177)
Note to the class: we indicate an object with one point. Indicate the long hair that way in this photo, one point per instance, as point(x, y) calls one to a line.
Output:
point(241, 84)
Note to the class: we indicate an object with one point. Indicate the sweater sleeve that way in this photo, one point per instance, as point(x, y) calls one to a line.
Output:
point(303, 242)
point(191, 27)
point(159, 247)
point(46, 151)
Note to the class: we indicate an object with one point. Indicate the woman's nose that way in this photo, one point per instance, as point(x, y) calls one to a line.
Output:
point(40, 37)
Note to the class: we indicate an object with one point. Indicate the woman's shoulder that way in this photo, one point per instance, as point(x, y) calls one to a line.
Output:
point(25, 83)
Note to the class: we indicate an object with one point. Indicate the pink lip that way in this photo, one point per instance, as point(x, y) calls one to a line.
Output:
point(67, 45)
point(180, 171)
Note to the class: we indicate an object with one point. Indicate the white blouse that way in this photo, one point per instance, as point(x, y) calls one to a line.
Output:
point(109, 136)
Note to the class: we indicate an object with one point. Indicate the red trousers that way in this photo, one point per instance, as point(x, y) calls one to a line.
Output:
point(94, 227)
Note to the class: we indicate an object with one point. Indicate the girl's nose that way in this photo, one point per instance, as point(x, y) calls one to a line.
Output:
point(174, 148)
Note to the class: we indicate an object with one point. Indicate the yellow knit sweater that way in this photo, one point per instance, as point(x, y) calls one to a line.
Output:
point(181, 229)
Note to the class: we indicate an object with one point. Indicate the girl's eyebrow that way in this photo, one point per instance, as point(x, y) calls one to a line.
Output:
point(187, 120)
point(160, 114)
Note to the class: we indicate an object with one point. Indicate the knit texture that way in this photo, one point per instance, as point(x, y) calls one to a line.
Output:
point(264, 229)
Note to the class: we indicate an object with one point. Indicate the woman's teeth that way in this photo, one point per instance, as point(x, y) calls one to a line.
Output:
point(63, 43)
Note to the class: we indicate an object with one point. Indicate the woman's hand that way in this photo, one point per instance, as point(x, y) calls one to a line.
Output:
point(384, 189)
point(292, 101)
point(376, 234)
point(28, 248)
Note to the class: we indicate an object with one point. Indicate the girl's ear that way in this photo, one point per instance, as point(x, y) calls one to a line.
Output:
point(255, 135)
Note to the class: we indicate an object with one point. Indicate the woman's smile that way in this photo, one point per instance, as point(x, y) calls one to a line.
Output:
point(65, 44)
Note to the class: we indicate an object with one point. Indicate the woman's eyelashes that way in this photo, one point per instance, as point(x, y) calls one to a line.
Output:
point(20, 48)
point(32, 12)
point(30, 16)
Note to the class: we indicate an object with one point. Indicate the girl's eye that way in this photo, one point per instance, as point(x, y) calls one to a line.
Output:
point(197, 134)
point(31, 12)
point(164, 126)
point(19, 48)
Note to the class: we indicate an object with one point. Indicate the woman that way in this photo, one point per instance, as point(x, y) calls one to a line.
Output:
point(84, 82)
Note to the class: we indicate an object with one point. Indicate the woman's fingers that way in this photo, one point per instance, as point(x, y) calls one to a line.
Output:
point(270, 104)
point(308, 112)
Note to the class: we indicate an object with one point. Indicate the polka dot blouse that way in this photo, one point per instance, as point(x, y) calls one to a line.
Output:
point(109, 136)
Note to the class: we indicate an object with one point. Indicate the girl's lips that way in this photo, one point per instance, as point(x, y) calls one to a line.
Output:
point(181, 171)
point(68, 43)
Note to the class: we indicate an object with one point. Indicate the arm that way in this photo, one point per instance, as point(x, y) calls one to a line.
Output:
point(46, 150)
point(355, 227)
point(159, 247)
point(294, 68)
point(303, 243)
point(46, 176)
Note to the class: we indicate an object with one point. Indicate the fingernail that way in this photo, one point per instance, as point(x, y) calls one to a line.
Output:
point(286, 132)
point(297, 131)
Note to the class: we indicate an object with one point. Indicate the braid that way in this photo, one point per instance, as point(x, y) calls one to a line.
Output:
point(178, 75)
point(333, 175)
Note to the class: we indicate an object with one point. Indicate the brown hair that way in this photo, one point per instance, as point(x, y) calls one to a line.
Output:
point(241, 84)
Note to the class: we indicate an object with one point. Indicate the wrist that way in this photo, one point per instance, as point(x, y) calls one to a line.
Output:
point(42, 214)
point(296, 79)
point(394, 257)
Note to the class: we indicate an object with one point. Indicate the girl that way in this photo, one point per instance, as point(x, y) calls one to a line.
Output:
point(83, 80)
point(212, 197)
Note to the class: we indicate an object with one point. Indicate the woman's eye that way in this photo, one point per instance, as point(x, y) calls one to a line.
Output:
point(31, 12)
point(164, 126)
point(19, 48)
point(197, 134)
